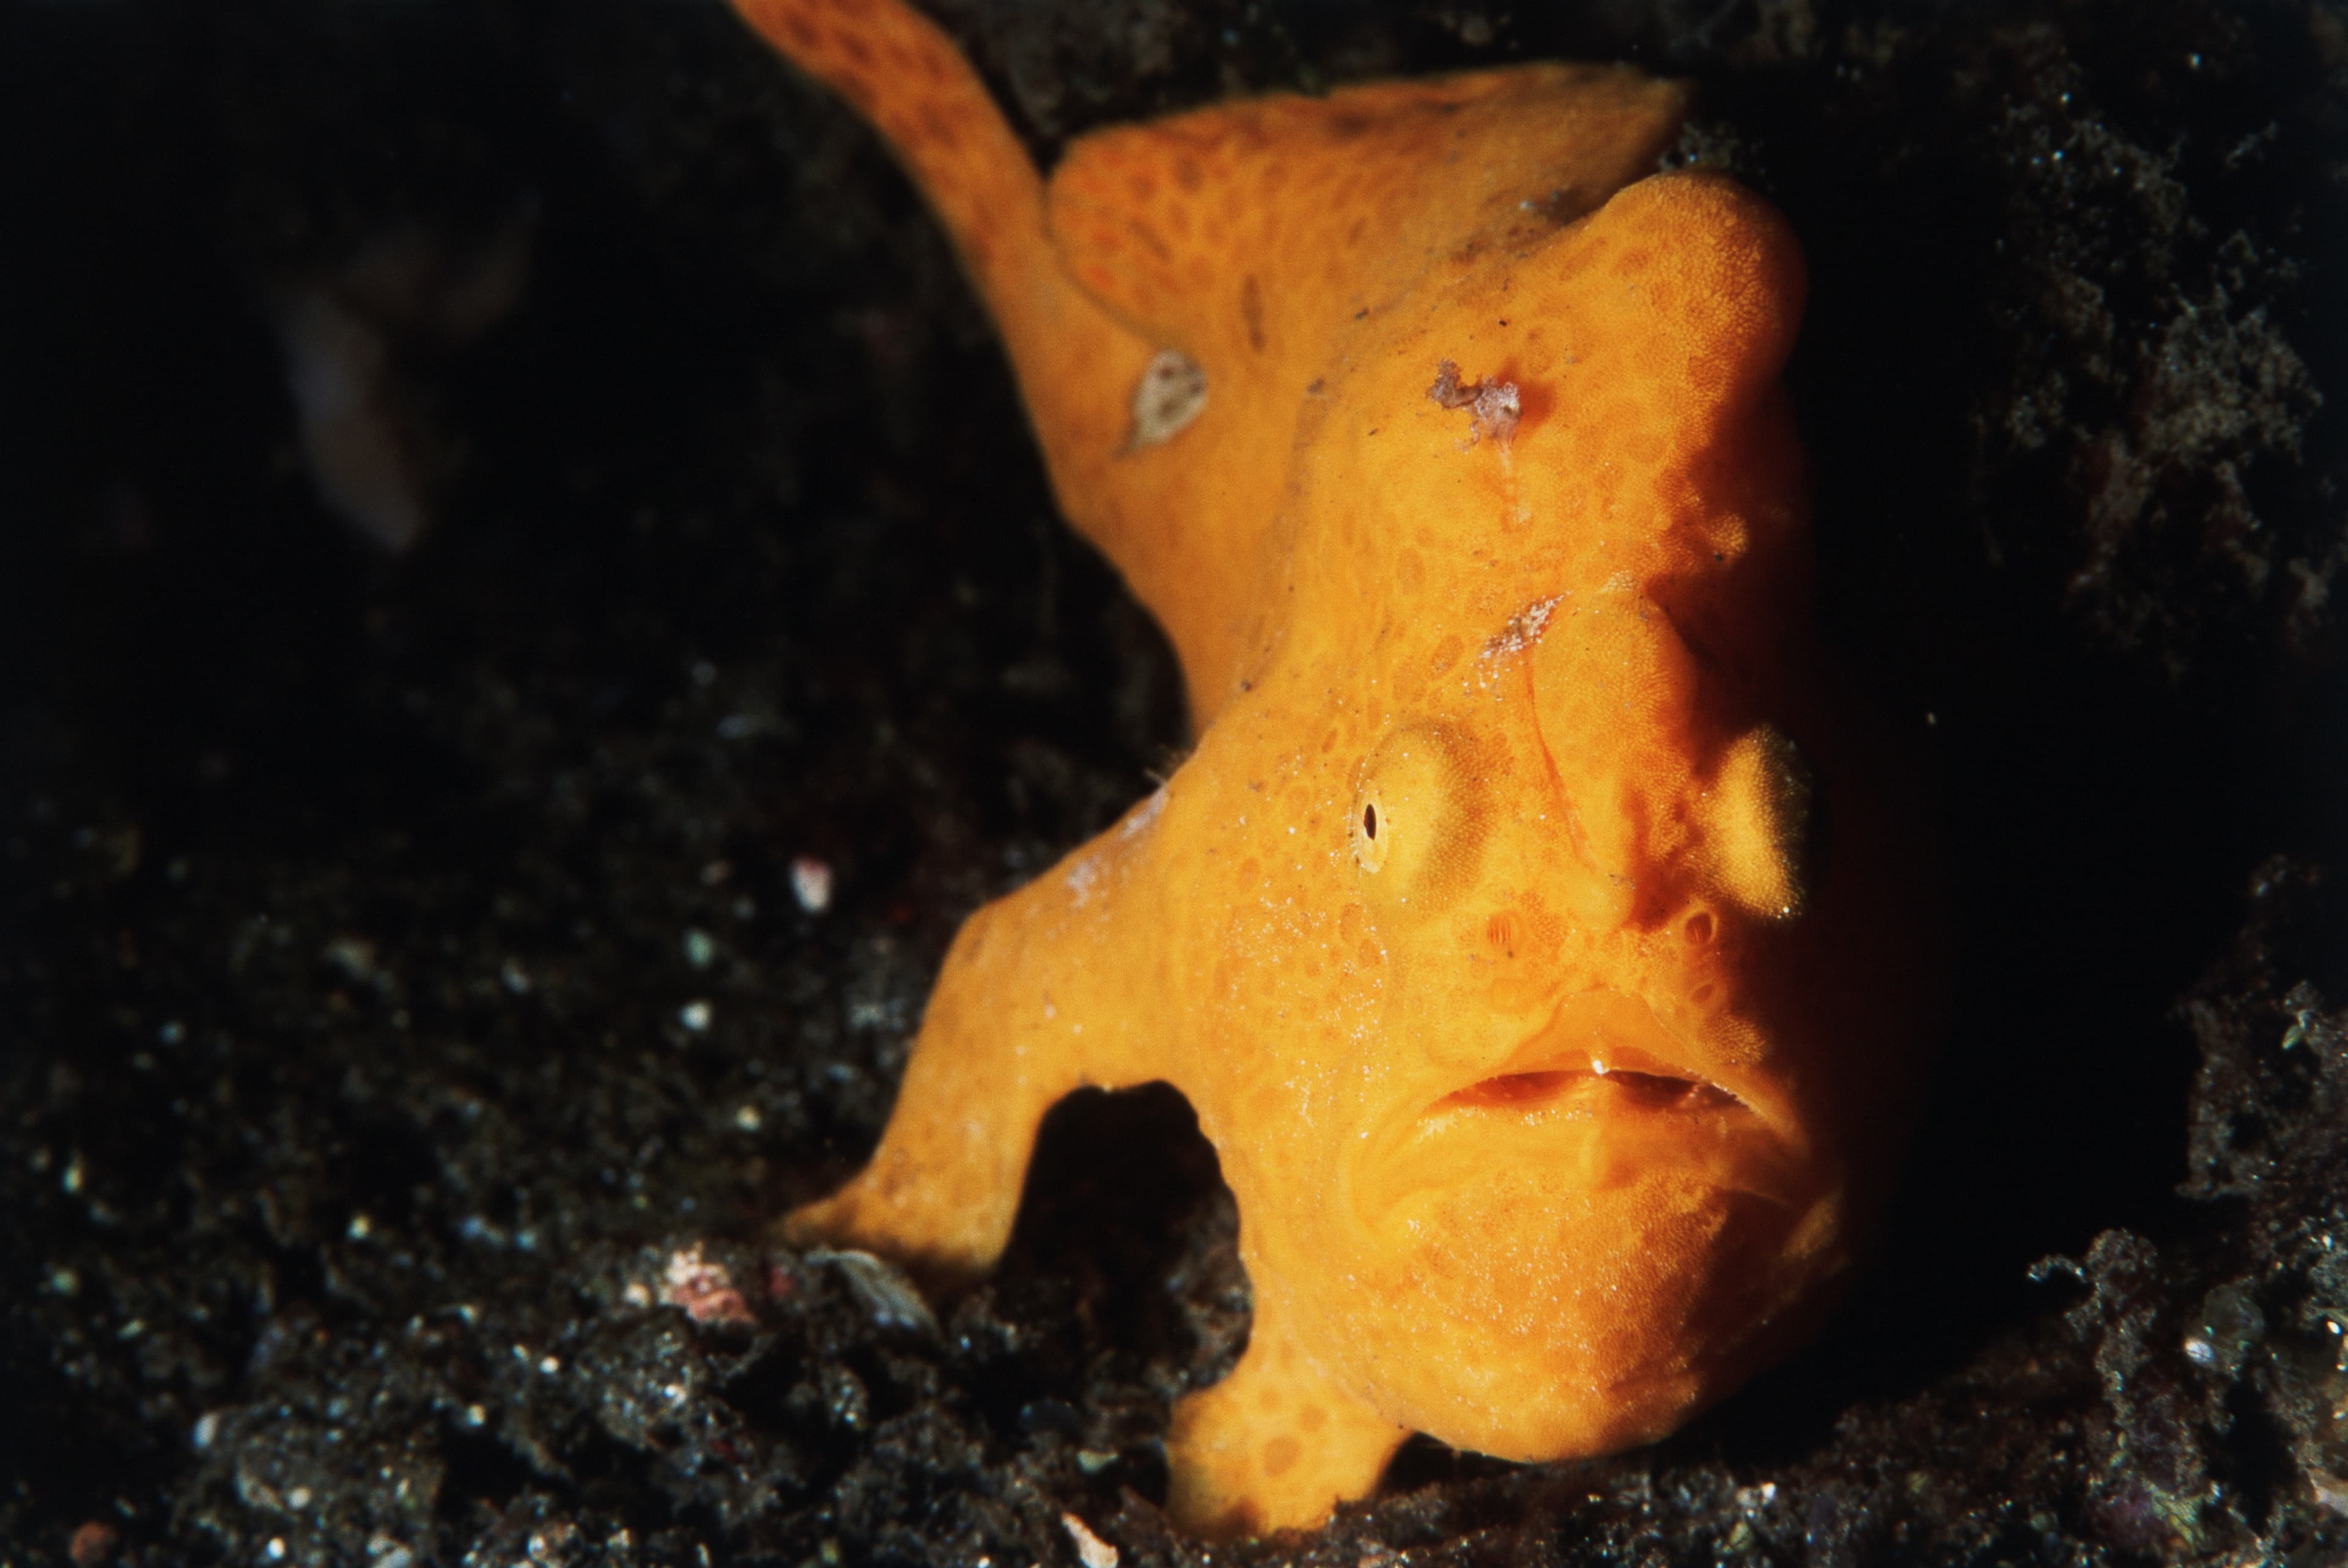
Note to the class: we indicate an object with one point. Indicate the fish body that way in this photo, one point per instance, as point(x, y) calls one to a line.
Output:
point(1556, 1054)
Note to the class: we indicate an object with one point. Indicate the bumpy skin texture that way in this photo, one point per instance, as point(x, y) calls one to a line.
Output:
point(1484, 930)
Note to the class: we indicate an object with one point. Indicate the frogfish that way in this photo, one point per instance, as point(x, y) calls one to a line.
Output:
point(1532, 927)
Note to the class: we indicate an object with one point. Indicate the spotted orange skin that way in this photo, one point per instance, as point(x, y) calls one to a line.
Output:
point(1484, 929)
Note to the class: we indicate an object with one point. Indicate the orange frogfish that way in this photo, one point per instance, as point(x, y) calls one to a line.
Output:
point(1555, 1052)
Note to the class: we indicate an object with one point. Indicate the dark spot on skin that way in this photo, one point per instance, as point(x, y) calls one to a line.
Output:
point(1369, 822)
point(1251, 312)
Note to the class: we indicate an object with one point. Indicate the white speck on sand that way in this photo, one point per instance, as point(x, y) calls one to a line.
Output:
point(1091, 1550)
point(811, 884)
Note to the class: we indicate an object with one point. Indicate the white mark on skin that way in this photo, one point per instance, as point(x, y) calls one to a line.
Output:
point(1145, 816)
point(1523, 629)
point(1172, 392)
point(1083, 875)
point(1493, 408)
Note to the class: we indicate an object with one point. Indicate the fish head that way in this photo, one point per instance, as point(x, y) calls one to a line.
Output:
point(1622, 1121)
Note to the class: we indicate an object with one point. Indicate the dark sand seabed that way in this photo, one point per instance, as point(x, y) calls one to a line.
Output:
point(401, 961)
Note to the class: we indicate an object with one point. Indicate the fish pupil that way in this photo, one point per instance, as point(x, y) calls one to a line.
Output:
point(1370, 821)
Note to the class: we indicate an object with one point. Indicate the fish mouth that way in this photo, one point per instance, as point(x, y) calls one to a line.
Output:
point(1604, 1095)
point(1596, 1221)
point(1633, 1086)
point(1611, 1049)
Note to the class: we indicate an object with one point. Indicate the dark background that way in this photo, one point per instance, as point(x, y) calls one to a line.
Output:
point(356, 903)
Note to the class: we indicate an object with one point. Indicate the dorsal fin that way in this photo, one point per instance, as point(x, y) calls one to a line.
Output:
point(1251, 237)
point(1223, 253)
point(1252, 232)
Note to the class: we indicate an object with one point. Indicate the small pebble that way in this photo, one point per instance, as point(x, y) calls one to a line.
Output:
point(1091, 1550)
point(704, 1288)
point(811, 884)
point(354, 956)
point(884, 1292)
point(694, 1016)
point(92, 1544)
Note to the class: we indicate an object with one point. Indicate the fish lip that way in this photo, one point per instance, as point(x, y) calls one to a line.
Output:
point(1771, 1154)
point(1584, 1028)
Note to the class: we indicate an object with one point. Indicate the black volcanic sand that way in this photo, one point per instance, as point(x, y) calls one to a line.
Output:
point(402, 962)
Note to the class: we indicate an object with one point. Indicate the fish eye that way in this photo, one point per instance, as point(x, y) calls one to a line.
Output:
point(1763, 827)
point(1369, 849)
point(1419, 817)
